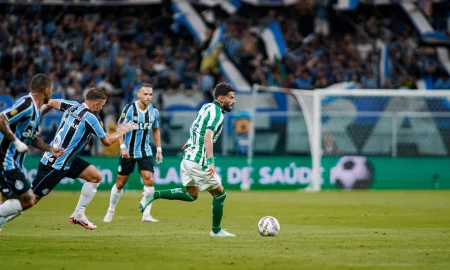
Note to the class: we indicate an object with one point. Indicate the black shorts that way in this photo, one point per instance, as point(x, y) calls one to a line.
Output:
point(13, 182)
point(47, 178)
point(126, 165)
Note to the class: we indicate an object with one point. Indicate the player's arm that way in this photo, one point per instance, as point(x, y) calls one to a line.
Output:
point(209, 134)
point(94, 126)
point(6, 130)
point(123, 148)
point(214, 120)
point(118, 135)
point(43, 146)
point(123, 118)
point(51, 104)
point(59, 104)
point(10, 116)
point(157, 138)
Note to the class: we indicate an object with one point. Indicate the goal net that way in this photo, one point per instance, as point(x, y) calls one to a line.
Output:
point(345, 127)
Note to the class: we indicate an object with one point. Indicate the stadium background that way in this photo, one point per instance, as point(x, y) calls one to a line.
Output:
point(117, 45)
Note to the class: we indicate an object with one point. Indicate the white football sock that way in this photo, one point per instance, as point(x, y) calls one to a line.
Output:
point(10, 207)
point(13, 216)
point(148, 191)
point(87, 194)
point(114, 198)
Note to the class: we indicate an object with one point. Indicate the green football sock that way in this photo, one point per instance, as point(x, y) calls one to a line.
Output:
point(217, 211)
point(175, 194)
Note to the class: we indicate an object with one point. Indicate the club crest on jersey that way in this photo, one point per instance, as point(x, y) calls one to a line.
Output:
point(14, 112)
point(123, 115)
point(18, 185)
point(45, 191)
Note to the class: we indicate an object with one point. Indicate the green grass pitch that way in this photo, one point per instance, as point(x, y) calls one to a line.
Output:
point(327, 230)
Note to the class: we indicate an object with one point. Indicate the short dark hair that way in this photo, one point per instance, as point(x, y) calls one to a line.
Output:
point(222, 89)
point(39, 83)
point(146, 85)
point(95, 94)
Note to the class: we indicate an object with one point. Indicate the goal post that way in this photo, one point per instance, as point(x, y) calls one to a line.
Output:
point(366, 122)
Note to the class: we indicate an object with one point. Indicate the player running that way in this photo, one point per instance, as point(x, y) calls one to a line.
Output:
point(197, 168)
point(136, 149)
point(19, 126)
point(78, 123)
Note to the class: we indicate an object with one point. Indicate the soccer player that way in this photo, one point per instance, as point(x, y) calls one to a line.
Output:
point(197, 167)
point(19, 126)
point(78, 123)
point(136, 149)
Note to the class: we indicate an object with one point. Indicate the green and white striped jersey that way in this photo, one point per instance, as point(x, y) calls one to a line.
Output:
point(210, 116)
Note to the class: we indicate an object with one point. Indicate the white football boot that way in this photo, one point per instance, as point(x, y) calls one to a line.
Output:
point(81, 219)
point(109, 216)
point(149, 218)
point(221, 233)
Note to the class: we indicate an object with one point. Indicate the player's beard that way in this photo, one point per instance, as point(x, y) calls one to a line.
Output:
point(227, 107)
point(145, 103)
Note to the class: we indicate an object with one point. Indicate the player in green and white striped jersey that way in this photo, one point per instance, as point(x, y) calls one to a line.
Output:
point(197, 167)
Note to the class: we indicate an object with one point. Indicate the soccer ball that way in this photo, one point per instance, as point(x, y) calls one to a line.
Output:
point(352, 172)
point(268, 226)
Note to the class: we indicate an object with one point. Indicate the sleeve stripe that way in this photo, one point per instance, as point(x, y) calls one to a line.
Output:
point(124, 114)
point(214, 120)
point(19, 109)
point(88, 115)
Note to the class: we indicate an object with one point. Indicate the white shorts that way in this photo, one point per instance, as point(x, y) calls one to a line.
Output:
point(192, 175)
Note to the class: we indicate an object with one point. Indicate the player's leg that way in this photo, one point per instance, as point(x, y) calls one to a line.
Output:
point(219, 196)
point(214, 186)
point(146, 170)
point(46, 179)
point(125, 168)
point(84, 170)
point(189, 194)
point(16, 195)
point(16, 192)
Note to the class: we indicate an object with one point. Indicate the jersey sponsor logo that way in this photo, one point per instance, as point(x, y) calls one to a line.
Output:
point(152, 118)
point(18, 185)
point(135, 118)
point(143, 126)
point(74, 116)
point(73, 124)
point(14, 112)
point(29, 133)
point(119, 169)
point(123, 115)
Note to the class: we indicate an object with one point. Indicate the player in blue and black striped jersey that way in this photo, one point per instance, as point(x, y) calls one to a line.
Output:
point(19, 126)
point(79, 122)
point(135, 148)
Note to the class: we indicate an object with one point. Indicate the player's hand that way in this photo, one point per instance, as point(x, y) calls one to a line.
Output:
point(159, 157)
point(127, 127)
point(57, 151)
point(184, 146)
point(211, 170)
point(20, 146)
point(125, 153)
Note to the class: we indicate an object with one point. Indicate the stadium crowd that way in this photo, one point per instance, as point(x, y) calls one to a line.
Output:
point(119, 48)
